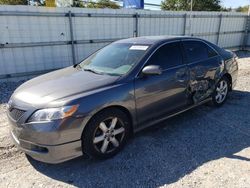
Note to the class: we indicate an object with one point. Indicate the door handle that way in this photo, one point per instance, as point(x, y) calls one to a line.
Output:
point(181, 77)
point(181, 80)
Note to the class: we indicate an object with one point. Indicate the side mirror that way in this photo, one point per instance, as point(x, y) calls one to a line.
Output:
point(152, 70)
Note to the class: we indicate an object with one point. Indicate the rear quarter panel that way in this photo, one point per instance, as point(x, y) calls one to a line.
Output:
point(231, 67)
point(203, 77)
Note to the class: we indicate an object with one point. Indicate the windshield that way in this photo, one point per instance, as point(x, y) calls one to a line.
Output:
point(114, 59)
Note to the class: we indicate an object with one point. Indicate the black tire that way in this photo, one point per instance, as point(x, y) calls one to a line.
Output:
point(215, 94)
point(93, 131)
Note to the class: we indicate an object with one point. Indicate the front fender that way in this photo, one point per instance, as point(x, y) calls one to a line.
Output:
point(120, 95)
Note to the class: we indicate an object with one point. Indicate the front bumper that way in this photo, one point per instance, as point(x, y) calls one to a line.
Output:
point(50, 142)
point(49, 153)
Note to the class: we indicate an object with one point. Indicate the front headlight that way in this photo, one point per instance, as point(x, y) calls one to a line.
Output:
point(50, 114)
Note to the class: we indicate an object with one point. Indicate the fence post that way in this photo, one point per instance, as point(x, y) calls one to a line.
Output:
point(184, 24)
point(245, 39)
point(72, 42)
point(136, 16)
point(219, 27)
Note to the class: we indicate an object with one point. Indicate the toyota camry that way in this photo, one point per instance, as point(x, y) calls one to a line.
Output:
point(93, 107)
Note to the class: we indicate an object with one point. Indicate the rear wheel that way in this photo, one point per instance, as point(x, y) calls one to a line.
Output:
point(106, 133)
point(221, 91)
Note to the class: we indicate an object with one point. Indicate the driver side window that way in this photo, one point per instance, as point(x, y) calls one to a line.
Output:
point(167, 56)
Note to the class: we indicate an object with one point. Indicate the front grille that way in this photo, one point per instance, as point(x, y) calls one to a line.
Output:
point(15, 113)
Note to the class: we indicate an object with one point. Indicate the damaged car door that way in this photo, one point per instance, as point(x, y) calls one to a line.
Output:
point(204, 63)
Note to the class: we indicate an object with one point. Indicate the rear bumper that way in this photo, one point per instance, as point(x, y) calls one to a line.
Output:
point(233, 71)
point(49, 153)
point(234, 78)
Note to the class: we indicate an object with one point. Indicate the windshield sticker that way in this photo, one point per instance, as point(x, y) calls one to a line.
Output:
point(138, 47)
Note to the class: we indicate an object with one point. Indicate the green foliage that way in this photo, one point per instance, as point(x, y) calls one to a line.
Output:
point(21, 2)
point(97, 4)
point(175, 5)
point(102, 4)
point(78, 3)
point(198, 5)
point(40, 2)
point(13, 2)
point(242, 9)
point(226, 9)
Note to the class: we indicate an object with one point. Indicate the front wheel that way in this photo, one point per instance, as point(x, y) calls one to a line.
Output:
point(106, 133)
point(221, 91)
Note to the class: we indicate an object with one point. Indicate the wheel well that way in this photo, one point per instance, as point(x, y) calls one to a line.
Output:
point(228, 76)
point(123, 109)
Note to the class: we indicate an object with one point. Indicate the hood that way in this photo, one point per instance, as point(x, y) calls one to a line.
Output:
point(60, 84)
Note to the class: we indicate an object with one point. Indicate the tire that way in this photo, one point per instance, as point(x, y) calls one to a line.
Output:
point(106, 133)
point(220, 93)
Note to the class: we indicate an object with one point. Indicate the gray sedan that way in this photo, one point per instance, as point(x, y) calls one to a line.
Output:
point(93, 107)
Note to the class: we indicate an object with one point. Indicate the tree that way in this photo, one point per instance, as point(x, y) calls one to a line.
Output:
point(227, 9)
point(175, 5)
point(40, 2)
point(78, 3)
point(198, 5)
point(96, 4)
point(242, 9)
point(102, 4)
point(22, 2)
point(13, 2)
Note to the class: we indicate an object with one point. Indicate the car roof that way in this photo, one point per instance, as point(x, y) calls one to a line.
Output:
point(152, 39)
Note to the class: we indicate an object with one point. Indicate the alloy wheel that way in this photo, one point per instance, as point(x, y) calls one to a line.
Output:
point(108, 135)
point(221, 91)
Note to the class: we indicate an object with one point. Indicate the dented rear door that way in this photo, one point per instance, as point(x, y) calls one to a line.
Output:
point(204, 65)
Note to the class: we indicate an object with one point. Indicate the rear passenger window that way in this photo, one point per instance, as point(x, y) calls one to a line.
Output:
point(167, 56)
point(211, 52)
point(197, 51)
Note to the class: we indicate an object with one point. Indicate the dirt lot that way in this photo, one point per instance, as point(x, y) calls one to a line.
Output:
point(204, 147)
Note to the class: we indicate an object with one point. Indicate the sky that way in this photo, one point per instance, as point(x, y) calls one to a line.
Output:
point(224, 3)
point(235, 3)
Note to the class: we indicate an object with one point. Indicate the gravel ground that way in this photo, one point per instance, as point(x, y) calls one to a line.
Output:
point(194, 149)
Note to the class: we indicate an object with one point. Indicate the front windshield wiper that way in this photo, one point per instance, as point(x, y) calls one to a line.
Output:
point(91, 70)
point(94, 71)
point(76, 65)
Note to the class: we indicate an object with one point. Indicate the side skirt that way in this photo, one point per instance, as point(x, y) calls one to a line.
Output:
point(171, 115)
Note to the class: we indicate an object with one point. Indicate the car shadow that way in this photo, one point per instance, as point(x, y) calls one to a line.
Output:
point(166, 152)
